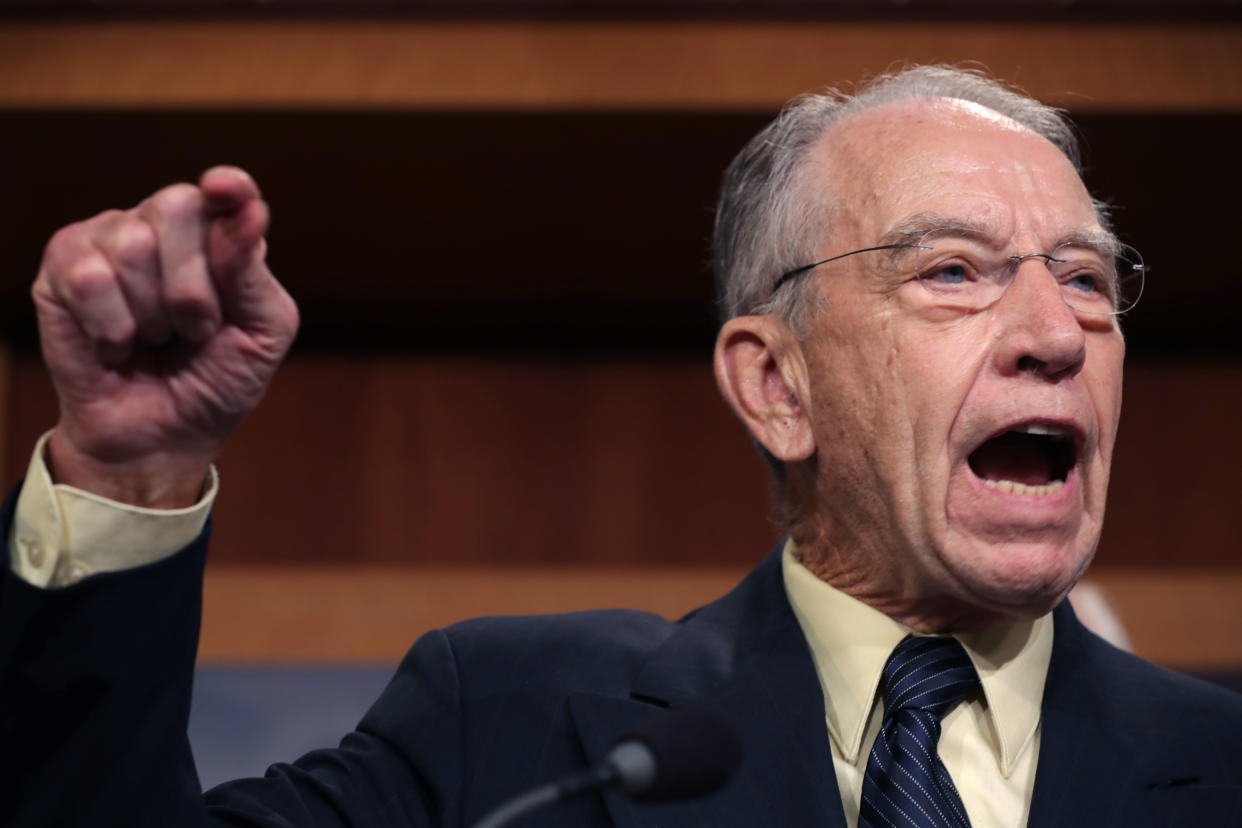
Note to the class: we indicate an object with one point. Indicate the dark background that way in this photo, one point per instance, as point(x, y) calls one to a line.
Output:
point(546, 232)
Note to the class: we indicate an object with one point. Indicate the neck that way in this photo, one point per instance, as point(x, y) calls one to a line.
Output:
point(884, 589)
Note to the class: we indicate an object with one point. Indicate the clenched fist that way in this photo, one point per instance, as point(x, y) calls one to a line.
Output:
point(161, 327)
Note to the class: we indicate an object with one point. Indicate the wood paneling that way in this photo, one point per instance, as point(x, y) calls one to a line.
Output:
point(368, 501)
point(1173, 491)
point(473, 459)
point(622, 461)
point(1185, 619)
point(373, 614)
point(518, 65)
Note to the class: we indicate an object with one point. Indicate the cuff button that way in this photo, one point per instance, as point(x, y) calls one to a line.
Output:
point(75, 573)
point(34, 552)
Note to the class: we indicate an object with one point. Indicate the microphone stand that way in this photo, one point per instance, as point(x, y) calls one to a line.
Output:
point(564, 788)
point(682, 753)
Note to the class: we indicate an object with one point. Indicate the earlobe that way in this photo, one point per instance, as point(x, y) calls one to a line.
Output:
point(762, 375)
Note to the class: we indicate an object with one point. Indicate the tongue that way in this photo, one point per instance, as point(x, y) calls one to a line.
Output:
point(1021, 458)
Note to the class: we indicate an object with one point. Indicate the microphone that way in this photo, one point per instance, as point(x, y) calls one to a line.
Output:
point(683, 753)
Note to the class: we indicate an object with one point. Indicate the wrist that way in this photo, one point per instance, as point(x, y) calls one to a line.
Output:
point(151, 480)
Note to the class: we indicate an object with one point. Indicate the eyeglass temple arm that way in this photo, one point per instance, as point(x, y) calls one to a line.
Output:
point(798, 271)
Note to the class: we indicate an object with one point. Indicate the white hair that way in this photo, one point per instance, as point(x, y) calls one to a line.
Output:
point(767, 224)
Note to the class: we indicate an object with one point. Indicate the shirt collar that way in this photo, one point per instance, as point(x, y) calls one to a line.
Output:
point(850, 643)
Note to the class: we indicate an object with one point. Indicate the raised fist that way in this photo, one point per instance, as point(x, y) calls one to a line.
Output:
point(161, 327)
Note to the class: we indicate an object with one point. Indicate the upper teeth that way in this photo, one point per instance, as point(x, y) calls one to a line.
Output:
point(1041, 428)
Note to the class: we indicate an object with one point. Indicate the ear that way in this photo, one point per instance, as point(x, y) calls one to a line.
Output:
point(762, 374)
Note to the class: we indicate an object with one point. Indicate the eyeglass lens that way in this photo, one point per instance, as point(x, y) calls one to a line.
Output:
point(963, 272)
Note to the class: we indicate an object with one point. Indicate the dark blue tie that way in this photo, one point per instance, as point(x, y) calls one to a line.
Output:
point(906, 783)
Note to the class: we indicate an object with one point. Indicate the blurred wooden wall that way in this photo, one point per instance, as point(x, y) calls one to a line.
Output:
point(497, 230)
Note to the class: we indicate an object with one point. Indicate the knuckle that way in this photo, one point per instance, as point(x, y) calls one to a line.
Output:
point(175, 201)
point(74, 236)
point(86, 278)
point(64, 239)
point(134, 243)
point(59, 241)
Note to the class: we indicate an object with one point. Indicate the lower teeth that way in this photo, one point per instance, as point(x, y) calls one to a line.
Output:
point(1022, 488)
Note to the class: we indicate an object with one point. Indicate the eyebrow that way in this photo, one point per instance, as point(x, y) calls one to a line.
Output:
point(913, 228)
point(1101, 241)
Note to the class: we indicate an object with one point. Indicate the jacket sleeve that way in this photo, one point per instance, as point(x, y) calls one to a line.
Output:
point(95, 686)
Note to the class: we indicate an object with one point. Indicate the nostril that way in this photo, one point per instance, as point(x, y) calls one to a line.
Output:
point(1031, 364)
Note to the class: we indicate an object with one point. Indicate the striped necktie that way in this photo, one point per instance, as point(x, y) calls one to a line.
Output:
point(906, 783)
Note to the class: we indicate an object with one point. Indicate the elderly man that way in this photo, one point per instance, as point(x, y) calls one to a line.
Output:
point(921, 304)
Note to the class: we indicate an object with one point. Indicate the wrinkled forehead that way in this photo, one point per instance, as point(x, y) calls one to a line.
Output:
point(949, 158)
point(928, 227)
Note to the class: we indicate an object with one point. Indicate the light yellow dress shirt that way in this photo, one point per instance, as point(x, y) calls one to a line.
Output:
point(61, 534)
point(989, 743)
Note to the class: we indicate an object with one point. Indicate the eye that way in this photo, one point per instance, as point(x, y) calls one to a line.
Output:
point(949, 273)
point(1089, 280)
point(954, 269)
point(1085, 282)
point(953, 273)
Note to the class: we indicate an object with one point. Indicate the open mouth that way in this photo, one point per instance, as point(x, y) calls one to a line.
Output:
point(1033, 459)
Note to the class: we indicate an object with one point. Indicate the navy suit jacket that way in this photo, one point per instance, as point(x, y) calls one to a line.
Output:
point(95, 686)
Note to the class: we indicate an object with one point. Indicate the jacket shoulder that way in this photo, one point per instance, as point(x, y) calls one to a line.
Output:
point(1174, 712)
point(1138, 681)
point(597, 650)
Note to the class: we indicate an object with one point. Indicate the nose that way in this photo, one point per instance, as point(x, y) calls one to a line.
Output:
point(1038, 332)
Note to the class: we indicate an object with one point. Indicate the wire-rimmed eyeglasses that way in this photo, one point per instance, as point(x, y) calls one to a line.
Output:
point(966, 273)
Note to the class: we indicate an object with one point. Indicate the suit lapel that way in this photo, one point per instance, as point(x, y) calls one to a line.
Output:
point(1093, 769)
point(744, 656)
point(1082, 768)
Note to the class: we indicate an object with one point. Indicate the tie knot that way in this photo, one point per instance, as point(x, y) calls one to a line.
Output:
point(931, 674)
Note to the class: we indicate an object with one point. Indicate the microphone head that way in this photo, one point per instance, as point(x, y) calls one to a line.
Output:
point(683, 753)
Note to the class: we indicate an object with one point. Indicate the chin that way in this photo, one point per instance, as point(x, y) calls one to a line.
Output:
point(1017, 579)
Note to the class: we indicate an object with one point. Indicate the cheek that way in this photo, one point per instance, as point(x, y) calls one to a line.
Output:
point(858, 401)
point(1103, 377)
point(844, 392)
point(887, 389)
point(937, 375)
